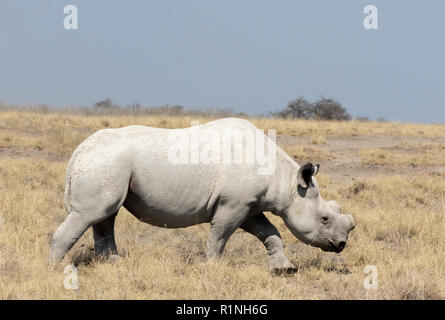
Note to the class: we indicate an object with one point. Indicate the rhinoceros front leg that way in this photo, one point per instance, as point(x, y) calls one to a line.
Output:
point(259, 226)
point(227, 218)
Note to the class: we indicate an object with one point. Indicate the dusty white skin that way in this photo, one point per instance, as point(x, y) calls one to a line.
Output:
point(129, 167)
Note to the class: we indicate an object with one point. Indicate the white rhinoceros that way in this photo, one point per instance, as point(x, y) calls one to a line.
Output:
point(133, 167)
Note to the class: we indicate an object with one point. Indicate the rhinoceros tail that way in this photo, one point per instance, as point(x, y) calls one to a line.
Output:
point(67, 196)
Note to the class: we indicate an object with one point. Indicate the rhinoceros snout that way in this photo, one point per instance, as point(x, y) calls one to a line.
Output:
point(341, 245)
point(335, 246)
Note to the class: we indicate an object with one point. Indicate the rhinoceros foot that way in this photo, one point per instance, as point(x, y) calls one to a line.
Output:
point(280, 265)
point(114, 258)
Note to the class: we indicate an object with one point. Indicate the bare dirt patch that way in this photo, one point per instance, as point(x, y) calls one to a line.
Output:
point(344, 165)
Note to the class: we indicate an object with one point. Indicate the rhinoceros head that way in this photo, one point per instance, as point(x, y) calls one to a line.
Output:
point(312, 219)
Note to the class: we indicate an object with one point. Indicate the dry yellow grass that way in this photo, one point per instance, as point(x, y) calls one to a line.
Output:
point(316, 139)
point(303, 153)
point(430, 154)
point(400, 222)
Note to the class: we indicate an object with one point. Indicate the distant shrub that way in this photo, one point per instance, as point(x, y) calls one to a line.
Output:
point(323, 109)
point(104, 104)
point(298, 108)
point(329, 109)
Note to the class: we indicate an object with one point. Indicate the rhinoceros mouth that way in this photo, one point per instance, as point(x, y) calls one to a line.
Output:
point(337, 247)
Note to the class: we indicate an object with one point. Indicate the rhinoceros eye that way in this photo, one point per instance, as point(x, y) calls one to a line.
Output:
point(325, 219)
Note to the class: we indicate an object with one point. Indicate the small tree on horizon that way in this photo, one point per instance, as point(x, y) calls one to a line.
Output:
point(329, 109)
point(323, 109)
point(298, 108)
point(105, 104)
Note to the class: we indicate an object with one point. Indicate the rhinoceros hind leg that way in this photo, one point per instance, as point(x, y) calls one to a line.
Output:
point(259, 226)
point(103, 234)
point(67, 235)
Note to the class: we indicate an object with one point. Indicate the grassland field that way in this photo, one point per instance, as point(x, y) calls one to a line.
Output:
point(390, 176)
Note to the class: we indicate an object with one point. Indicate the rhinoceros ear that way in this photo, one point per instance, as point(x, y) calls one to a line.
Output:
point(306, 173)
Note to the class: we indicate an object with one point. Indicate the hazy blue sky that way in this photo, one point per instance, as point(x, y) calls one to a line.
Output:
point(251, 55)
